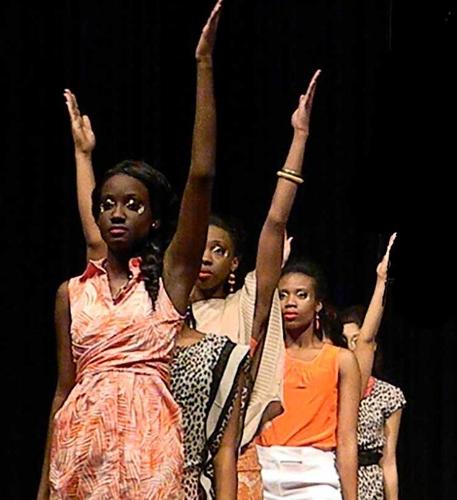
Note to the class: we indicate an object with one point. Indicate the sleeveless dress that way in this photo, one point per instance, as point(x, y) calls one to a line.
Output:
point(118, 434)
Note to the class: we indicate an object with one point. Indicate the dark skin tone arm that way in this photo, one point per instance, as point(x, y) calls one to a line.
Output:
point(225, 461)
point(366, 343)
point(65, 380)
point(271, 242)
point(182, 260)
point(348, 406)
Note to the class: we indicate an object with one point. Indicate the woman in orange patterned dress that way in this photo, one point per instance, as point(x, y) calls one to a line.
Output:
point(114, 429)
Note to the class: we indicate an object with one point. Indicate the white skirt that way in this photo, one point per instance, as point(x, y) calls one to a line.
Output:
point(299, 473)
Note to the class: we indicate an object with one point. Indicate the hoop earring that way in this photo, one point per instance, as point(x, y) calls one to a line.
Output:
point(231, 281)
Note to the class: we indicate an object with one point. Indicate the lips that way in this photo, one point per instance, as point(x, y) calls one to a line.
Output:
point(118, 231)
point(203, 274)
point(290, 316)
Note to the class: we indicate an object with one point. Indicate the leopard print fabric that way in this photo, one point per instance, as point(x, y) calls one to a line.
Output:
point(193, 382)
point(383, 400)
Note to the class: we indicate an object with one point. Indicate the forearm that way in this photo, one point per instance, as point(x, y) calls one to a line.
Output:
point(390, 481)
point(284, 195)
point(374, 313)
point(204, 134)
point(346, 461)
point(43, 490)
point(226, 474)
point(85, 183)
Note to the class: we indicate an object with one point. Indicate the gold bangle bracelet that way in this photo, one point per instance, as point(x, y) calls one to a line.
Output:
point(291, 172)
point(290, 177)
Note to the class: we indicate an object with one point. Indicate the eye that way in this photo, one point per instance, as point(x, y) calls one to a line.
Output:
point(106, 204)
point(282, 295)
point(135, 205)
point(302, 295)
point(219, 251)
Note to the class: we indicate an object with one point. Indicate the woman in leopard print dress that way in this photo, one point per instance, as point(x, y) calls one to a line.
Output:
point(381, 404)
point(379, 421)
point(209, 377)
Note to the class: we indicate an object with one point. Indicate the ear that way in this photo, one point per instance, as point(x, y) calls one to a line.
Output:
point(234, 264)
point(319, 306)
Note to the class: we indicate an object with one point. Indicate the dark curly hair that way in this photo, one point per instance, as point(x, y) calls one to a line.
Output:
point(164, 207)
point(330, 323)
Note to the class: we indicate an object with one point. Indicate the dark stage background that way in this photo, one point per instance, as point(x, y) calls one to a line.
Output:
point(379, 159)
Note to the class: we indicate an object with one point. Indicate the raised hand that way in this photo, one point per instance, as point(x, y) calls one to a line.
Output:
point(81, 129)
point(383, 266)
point(208, 36)
point(300, 118)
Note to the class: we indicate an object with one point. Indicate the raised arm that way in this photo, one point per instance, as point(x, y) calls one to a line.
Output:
point(84, 142)
point(271, 241)
point(366, 343)
point(348, 405)
point(389, 456)
point(65, 380)
point(183, 257)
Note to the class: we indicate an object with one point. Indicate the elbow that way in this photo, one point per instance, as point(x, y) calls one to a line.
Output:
point(225, 460)
point(347, 445)
point(96, 249)
point(202, 173)
point(277, 220)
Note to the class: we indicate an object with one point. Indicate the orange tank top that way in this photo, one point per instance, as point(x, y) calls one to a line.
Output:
point(310, 403)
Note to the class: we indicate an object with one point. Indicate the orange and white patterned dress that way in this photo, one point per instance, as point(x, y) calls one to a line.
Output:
point(118, 434)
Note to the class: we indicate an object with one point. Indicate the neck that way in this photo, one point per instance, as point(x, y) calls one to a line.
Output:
point(211, 293)
point(302, 339)
point(117, 265)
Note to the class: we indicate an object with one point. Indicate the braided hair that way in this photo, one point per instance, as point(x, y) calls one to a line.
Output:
point(164, 207)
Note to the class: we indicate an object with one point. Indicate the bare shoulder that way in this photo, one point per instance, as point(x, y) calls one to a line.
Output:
point(62, 296)
point(347, 361)
point(62, 290)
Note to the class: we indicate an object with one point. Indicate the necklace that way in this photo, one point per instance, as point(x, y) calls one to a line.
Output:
point(122, 289)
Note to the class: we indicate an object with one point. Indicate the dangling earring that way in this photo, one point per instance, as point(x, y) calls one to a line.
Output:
point(231, 281)
point(317, 323)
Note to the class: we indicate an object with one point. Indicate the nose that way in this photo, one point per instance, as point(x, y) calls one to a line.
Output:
point(290, 301)
point(207, 258)
point(118, 213)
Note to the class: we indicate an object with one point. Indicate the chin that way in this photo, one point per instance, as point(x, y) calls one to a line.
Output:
point(119, 245)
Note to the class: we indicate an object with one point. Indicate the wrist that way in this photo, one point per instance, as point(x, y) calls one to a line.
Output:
point(83, 154)
point(204, 62)
point(301, 134)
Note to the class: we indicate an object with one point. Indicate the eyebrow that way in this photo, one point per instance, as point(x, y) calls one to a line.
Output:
point(124, 195)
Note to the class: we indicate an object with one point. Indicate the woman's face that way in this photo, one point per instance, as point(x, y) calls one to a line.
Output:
point(351, 331)
point(125, 217)
point(299, 304)
point(218, 259)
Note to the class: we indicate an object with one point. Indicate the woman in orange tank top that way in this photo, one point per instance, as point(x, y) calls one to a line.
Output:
point(310, 451)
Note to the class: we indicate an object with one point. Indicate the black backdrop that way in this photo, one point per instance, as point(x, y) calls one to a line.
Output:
point(379, 158)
